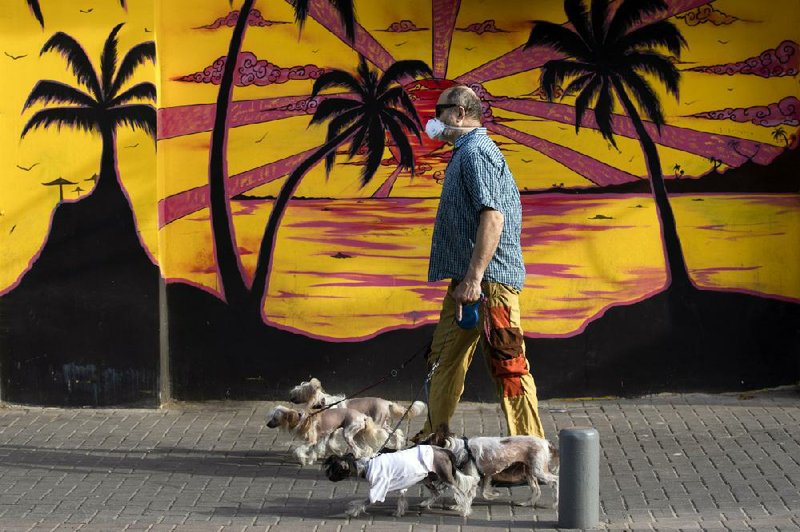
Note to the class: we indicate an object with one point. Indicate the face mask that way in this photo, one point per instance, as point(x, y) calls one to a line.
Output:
point(434, 128)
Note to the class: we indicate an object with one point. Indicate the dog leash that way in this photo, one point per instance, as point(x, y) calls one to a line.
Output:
point(393, 373)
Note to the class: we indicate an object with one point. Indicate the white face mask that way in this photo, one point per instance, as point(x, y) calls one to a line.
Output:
point(434, 128)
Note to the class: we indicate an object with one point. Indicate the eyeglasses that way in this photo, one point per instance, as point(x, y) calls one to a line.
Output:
point(442, 106)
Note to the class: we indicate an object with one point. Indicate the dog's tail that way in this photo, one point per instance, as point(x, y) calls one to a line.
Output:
point(374, 437)
point(555, 463)
point(417, 408)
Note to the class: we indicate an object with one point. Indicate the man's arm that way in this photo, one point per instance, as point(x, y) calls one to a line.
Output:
point(490, 227)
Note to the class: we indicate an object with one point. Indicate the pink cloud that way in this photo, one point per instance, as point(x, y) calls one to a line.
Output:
point(487, 26)
point(253, 71)
point(785, 112)
point(403, 26)
point(783, 60)
point(254, 19)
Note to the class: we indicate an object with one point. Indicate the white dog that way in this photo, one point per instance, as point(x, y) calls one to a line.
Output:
point(383, 412)
point(334, 431)
point(399, 471)
point(508, 459)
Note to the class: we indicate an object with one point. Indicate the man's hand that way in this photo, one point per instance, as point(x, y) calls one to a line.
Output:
point(466, 292)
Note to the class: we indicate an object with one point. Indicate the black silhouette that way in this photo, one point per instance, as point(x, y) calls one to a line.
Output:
point(87, 10)
point(262, 138)
point(28, 169)
point(607, 55)
point(36, 9)
point(15, 57)
point(60, 182)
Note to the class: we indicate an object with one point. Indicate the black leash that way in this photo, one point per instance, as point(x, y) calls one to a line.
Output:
point(393, 373)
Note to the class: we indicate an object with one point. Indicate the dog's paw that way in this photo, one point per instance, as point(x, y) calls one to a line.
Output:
point(490, 495)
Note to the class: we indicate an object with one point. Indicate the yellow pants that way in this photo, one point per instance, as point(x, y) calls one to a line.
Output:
point(504, 353)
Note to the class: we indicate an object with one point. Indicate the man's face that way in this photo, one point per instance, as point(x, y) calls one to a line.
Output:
point(450, 114)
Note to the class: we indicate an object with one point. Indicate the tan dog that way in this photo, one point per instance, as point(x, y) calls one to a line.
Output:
point(323, 432)
point(506, 459)
point(383, 412)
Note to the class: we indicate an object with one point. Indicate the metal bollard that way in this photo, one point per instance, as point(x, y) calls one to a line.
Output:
point(579, 478)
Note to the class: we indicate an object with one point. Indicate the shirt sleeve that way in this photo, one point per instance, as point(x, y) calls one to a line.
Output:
point(481, 175)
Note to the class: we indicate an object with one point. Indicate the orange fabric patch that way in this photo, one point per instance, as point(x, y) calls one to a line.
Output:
point(500, 317)
point(510, 368)
point(512, 387)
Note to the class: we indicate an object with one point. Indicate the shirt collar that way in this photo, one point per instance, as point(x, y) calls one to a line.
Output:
point(463, 138)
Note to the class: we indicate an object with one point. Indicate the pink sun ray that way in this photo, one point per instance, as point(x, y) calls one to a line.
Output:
point(595, 171)
point(684, 139)
point(184, 203)
point(445, 13)
point(520, 60)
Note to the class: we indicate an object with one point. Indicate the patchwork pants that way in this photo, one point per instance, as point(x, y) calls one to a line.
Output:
point(504, 354)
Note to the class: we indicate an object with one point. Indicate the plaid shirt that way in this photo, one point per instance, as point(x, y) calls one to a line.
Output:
point(477, 177)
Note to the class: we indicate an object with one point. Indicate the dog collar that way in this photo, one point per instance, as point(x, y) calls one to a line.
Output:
point(470, 456)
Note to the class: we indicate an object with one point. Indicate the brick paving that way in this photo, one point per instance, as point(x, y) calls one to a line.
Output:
point(694, 462)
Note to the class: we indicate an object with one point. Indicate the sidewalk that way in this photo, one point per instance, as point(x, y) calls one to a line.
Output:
point(668, 462)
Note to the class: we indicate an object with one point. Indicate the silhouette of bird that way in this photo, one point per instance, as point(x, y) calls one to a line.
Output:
point(147, 31)
point(468, 48)
point(315, 51)
point(722, 42)
point(526, 160)
point(15, 57)
point(132, 145)
point(87, 10)
point(262, 138)
point(12, 229)
point(401, 43)
point(28, 169)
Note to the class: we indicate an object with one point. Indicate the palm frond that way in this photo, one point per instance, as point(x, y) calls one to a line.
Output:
point(604, 110)
point(136, 116)
point(599, 20)
point(398, 97)
point(337, 78)
point(77, 59)
point(135, 57)
point(122, 4)
point(653, 35)
point(369, 80)
point(556, 70)
point(558, 38)
point(48, 91)
point(345, 9)
point(401, 141)
point(108, 60)
point(405, 121)
point(358, 138)
point(332, 107)
point(577, 84)
point(645, 96)
point(657, 65)
point(630, 13)
point(336, 126)
point(376, 142)
point(585, 99)
point(579, 18)
point(81, 118)
point(411, 68)
point(140, 91)
point(36, 9)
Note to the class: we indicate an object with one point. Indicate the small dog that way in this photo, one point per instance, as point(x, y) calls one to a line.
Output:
point(324, 431)
point(311, 394)
point(506, 459)
point(399, 471)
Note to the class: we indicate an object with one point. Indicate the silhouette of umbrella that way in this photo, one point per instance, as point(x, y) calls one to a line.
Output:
point(60, 182)
point(78, 189)
point(92, 179)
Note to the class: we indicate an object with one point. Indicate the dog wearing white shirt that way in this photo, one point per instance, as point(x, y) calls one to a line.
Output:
point(400, 470)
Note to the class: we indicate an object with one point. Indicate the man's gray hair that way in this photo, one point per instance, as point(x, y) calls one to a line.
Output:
point(466, 98)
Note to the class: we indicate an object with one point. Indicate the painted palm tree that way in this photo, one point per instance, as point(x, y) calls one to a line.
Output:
point(233, 285)
point(608, 53)
point(103, 107)
point(380, 105)
point(36, 9)
point(780, 134)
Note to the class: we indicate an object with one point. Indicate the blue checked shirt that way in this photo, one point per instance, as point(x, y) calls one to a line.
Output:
point(477, 177)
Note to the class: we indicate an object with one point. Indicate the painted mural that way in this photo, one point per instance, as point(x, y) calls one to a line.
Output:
point(240, 195)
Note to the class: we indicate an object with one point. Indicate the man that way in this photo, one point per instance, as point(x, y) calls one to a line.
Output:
point(476, 244)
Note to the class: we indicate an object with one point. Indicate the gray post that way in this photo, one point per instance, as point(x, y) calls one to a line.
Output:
point(579, 478)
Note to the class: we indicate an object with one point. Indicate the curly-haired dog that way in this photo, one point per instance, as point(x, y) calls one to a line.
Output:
point(509, 459)
point(311, 394)
point(399, 471)
point(324, 430)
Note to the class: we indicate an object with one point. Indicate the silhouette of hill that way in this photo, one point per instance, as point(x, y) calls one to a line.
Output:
point(781, 176)
point(85, 328)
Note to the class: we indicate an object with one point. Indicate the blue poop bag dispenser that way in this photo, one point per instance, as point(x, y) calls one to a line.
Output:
point(469, 315)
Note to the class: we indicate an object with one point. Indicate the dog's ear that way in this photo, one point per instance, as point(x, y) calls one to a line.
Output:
point(314, 382)
point(292, 417)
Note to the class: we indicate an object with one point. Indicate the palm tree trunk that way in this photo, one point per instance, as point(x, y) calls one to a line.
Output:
point(233, 287)
point(266, 251)
point(677, 271)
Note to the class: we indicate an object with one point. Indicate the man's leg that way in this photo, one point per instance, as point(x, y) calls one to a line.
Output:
point(453, 347)
point(504, 352)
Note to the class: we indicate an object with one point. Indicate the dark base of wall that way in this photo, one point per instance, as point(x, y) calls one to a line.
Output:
point(677, 342)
